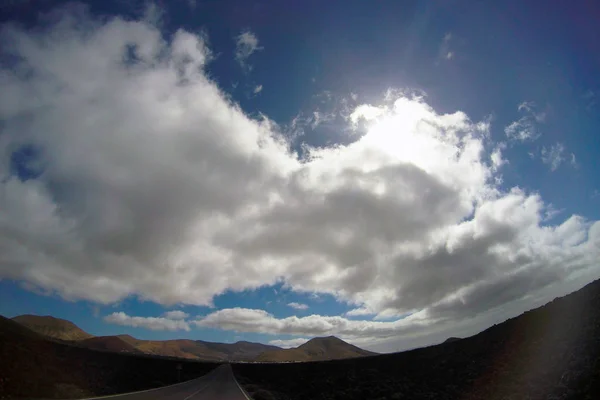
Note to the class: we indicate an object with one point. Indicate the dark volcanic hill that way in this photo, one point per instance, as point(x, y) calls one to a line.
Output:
point(61, 329)
point(451, 339)
point(183, 348)
point(53, 327)
point(35, 366)
point(552, 352)
point(323, 348)
point(109, 343)
point(9, 329)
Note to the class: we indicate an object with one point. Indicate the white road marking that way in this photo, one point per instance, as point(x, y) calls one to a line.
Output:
point(177, 384)
point(143, 391)
point(205, 386)
point(238, 385)
point(199, 390)
point(151, 390)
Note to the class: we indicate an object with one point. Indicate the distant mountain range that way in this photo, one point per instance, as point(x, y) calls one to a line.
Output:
point(327, 348)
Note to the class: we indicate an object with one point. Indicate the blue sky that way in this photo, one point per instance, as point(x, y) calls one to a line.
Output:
point(429, 168)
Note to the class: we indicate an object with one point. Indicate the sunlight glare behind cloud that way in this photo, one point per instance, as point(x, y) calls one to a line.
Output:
point(157, 185)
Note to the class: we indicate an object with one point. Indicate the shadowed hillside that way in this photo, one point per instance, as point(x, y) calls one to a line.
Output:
point(183, 348)
point(53, 327)
point(33, 366)
point(552, 352)
point(241, 351)
point(198, 349)
point(61, 329)
point(109, 343)
point(451, 339)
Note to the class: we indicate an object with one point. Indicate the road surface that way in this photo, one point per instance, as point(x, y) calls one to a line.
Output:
point(219, 384)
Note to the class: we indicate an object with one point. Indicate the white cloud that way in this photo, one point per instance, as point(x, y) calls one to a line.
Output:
point(152, 13)
point(525, 129)
point(416, 330)
point(366, 112)
point(152, 177)
point(522, 130)
point(496, 156)
point(259, 321)
point(257, 89)
point(319, 118)
point(246, 45)
point(357, 312)
point(531, 108)
point(289, 343)
point(176, 314)
point(298, 306)
point(445, 51)
point(554, 156)
point(153, 323)
point(301, 122)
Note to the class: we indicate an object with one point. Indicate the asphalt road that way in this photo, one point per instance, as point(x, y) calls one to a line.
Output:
point(219, 384)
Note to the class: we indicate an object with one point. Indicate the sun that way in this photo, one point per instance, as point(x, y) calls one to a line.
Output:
point(404, 134)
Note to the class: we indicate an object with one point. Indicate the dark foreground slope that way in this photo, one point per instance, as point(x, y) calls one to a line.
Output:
point(552, 352)
point(33, 366)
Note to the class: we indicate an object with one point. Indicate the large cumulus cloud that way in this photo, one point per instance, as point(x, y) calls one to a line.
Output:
point(154, 183)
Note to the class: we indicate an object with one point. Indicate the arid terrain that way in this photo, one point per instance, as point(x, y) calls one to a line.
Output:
point(552, 352)
point(47, 357)
point(67, 332)
point(52, 327)
point(317, 349)
point(32, 366)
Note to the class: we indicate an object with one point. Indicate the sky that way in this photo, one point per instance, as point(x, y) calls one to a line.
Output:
point(391, 173)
